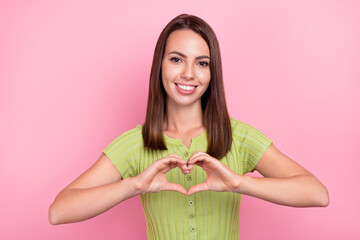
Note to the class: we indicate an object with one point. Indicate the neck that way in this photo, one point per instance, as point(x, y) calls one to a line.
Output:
point(182, 119)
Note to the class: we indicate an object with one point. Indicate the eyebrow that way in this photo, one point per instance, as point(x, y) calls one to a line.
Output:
point(184, 56)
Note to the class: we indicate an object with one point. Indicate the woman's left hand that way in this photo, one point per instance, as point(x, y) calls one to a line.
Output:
point(219, 178)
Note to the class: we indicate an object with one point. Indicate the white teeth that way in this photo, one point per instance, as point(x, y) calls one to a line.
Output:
point(185, 87)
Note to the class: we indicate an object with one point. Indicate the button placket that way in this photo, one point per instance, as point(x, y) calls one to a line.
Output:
point(191, 213)
point(191, 202)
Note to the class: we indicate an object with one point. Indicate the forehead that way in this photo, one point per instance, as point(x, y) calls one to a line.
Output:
point(187, 42)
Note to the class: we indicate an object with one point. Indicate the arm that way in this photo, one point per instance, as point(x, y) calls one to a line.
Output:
point(95, 191)
point(100, 188)
point(285, 182)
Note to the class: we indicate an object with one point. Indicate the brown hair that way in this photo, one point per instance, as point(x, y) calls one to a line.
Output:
point(215, 115)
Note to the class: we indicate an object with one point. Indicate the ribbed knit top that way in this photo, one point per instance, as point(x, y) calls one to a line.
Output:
point(203, 215)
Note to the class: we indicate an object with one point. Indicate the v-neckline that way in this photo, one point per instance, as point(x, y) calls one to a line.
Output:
point(178, 141)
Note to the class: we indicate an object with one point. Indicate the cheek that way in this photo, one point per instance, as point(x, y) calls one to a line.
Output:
point(205, 77)
point(166, 72)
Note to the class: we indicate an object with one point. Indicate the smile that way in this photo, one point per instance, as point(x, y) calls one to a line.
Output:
point(185, 87)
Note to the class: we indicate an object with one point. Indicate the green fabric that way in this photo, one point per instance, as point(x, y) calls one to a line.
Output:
point(203, 215)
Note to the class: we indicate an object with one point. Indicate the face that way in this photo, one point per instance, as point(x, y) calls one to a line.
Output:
point(185, 68)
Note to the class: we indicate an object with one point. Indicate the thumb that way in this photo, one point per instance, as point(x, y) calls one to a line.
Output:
point(175, 187)
point(197, 188)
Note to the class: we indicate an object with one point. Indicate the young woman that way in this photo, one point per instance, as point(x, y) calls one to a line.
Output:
point(188, 130)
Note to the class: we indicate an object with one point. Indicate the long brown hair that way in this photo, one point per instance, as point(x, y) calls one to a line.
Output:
point(215, 115)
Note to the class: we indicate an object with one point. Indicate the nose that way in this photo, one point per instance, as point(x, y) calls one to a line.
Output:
point(188, 72)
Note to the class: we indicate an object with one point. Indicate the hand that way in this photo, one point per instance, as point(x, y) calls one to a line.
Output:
point(219, 178)
point(153, 178)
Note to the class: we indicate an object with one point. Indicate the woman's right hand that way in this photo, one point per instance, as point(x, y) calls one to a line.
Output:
point(100, 188)
point(153, 178)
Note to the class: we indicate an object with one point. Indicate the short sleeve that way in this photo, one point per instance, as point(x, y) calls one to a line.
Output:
point(125, 151)
point(251, 144)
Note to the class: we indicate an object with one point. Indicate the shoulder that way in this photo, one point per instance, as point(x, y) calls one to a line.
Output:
point(249, 142)
point(130, 138)
point(239, 126)
point(241, 130)
point(125, 152)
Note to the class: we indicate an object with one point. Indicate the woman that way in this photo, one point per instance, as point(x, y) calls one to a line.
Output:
point(188, 129)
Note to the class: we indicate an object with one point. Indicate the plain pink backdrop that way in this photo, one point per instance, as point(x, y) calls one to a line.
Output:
point(74, 76)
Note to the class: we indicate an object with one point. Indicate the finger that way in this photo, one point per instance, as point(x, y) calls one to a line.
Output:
point(181, 164)
point(196, 153)
point(195, 159)
point(184, 169)
point(175, 155)
point(175, 187)
point(172, 165)
point(174, 158)
point(199, 163)
point(190, 162)
point(171, 161)
point(197, 188)
point(195, 156)
point(205, 161)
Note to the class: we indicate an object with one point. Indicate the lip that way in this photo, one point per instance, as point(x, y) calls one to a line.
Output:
point(191, 85)
point(185, 92)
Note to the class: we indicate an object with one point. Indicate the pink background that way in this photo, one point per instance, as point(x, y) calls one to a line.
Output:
point(74, 76)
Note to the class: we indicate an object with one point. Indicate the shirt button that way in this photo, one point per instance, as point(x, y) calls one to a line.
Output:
point(192, 229)
point(189, 178)
point(191, 203)
point(192, 216)
point(186, 154)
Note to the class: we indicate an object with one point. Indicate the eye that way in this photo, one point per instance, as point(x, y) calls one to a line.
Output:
point(203, 64)
point(175, 59)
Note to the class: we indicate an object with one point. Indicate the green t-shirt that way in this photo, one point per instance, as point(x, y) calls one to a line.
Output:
point(203, 215)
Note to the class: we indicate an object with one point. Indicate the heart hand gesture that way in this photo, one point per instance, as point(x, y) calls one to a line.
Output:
point(219, 178)
point(153, 178)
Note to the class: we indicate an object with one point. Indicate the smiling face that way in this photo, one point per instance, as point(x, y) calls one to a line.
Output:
point(185, 68)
